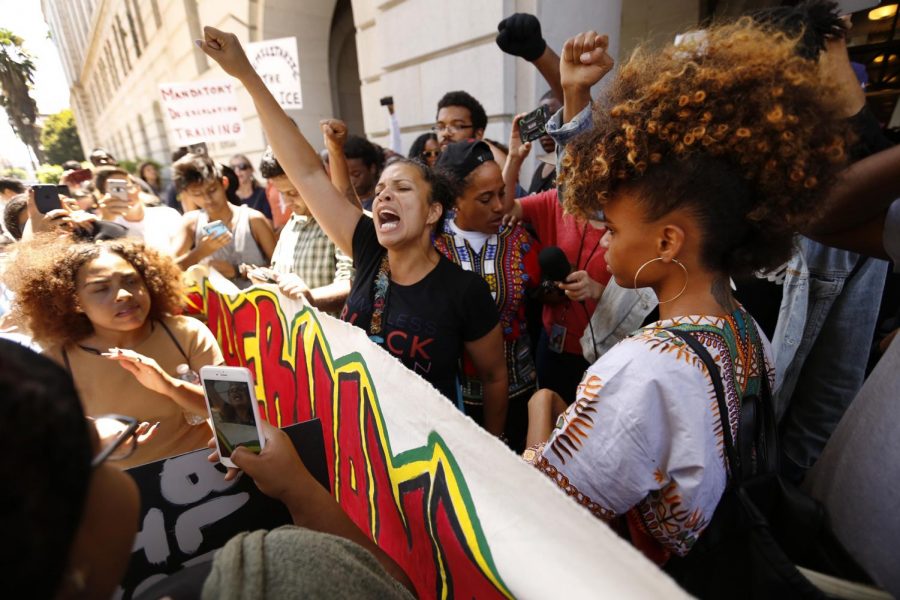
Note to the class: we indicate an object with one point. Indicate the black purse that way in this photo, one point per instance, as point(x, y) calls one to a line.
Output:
point(763, 526)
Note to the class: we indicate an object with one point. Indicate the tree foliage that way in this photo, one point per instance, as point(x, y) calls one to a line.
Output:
point(16, 80)
point(14, 172)
point(59, 137)
point(48, 173)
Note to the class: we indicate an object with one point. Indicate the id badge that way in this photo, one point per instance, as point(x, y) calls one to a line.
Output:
point(557, 338)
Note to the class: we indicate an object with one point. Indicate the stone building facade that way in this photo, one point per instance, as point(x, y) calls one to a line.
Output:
point(352, 52)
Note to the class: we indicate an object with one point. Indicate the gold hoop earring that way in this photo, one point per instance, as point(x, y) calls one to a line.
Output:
point(677, 262)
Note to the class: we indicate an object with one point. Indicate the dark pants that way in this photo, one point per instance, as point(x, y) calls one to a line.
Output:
point(560, 372)
point(516, 419)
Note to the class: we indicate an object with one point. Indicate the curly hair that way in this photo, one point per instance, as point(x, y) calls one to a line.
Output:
point(733, 125)
point(43, 276)
point(813, 21)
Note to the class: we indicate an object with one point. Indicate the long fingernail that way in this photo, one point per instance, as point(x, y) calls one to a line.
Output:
point(198, 43)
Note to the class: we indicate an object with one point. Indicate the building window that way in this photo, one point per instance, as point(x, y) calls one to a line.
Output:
point(157, 18)
point(140, 21)
point(123, 47)
point(114, 72)
point(134, 35)
point(142, 129)
point(161, 127)
point(134, 149)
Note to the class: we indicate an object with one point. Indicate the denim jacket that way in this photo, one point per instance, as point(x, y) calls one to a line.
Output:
point(892, 234)
point(620, 311)
point(563, 133)
point(821, 343)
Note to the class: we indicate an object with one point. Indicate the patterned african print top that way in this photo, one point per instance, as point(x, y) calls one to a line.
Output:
point(644, 438)
point(507, 262)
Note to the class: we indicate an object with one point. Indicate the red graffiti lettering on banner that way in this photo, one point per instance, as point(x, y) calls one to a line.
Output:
point(415, 505)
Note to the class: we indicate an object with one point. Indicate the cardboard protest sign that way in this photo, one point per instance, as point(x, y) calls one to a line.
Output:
point(276, 63)
point(458, 511)
point(188, 511)
point(202, 111)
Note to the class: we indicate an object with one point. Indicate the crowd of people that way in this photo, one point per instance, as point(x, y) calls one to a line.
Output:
point(733, 188)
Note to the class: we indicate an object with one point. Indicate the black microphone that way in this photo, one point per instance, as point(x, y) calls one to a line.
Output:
point(554, 264)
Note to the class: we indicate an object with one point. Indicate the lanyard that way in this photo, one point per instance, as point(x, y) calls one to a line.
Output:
point(578, 266)
point(381, 285)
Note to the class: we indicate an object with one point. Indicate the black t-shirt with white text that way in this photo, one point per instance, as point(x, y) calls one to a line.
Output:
point(426, 323)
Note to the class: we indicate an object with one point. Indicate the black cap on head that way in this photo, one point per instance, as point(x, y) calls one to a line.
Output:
point(461, 158)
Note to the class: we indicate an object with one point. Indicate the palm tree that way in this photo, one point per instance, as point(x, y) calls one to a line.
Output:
point(16, 79)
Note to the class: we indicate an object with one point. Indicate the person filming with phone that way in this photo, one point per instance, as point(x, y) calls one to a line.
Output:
point(90, 305)
point(74, 513)
point(221, 235)
point(123, 202)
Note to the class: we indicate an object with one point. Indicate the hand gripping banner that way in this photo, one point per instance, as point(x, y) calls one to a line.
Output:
point(462, 514)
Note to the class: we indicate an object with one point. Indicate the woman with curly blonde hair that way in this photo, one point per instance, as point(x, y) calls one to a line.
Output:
point(88, 304)
point(703, 160)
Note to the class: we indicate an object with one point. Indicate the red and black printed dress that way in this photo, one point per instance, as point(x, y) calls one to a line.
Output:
point(508, 262)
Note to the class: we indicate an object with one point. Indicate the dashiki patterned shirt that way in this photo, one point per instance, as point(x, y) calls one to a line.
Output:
point(644, 439)
point(508, 262)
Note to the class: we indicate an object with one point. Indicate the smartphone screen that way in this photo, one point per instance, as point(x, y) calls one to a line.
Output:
point(117, 188)
point(46, 198)
point(215, 229)
point(233, 415)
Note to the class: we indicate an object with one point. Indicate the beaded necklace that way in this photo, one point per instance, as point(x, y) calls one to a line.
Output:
point(381, 285)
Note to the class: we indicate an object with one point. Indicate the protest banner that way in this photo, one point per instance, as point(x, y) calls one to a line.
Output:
point(202, 111)
point(276, 63)
point(457, 510)
point(188, 510)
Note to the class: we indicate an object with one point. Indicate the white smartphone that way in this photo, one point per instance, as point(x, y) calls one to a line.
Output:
point(117, 188)
point(233, 409)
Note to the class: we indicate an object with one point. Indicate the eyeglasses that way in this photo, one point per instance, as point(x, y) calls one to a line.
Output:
point(430, 153)
point(117, 438)
point(241, 167)
point(451, 128)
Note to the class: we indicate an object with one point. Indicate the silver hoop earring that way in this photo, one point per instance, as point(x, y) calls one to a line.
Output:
point(677, 262)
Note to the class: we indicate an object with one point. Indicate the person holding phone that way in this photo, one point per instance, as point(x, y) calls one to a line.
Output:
point(401, 293)
point(75, 513)
point(90, 305)
point(220, 234)
point(565, 315)
point(123, 202)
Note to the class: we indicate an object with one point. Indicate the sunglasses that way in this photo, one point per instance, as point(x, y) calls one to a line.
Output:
point(430, 153)
point(242, 167)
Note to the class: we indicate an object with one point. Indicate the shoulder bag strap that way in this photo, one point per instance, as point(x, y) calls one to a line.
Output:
point(175, 341)
point(65, 356)
point(714, 374)
point(766, 436)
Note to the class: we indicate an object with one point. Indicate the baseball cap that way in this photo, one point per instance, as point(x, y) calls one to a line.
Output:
point(461, 158)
